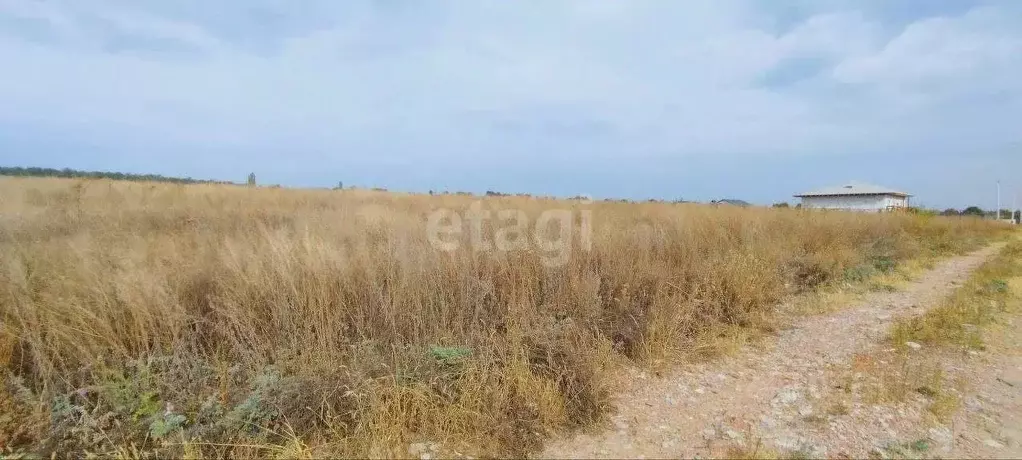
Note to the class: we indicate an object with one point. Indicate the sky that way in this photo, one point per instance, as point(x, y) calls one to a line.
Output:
point(670, 99)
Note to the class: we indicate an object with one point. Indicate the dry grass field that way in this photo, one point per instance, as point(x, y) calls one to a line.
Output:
point(142, 319)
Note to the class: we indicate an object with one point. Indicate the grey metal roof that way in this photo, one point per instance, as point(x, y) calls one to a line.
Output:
point(854, 188)
point(732, 202)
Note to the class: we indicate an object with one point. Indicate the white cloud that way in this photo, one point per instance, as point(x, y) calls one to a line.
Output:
point(948, 51)
point(573, 78)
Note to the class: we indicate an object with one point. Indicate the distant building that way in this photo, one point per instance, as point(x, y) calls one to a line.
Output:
point(732, 202)
point(856, 196)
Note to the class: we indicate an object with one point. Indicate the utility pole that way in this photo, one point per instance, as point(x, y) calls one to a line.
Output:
point(1014, 206)
point(998, 218)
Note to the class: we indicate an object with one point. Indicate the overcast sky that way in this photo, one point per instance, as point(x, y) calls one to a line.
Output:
point(663, 98)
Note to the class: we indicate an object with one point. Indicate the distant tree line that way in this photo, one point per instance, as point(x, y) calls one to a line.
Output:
point(970, 211)
point(77, 174)
point(977, 211)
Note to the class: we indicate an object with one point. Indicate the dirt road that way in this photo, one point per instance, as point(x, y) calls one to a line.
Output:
point(990, 422)
point(772, 395)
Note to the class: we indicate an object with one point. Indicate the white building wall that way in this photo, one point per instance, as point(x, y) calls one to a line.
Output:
point(867, 203)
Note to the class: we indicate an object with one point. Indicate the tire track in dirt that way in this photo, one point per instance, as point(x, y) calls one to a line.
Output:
point(758, 394)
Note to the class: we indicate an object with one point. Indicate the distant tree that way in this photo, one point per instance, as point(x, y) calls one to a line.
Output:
point(781, 205)
point(973, 211)
point(340, 185)
point(950, 212)
point(251, 179)
point(77, 174)
point(1017, 215)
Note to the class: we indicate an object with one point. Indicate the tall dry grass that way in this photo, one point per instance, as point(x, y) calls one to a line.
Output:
point(150, 319)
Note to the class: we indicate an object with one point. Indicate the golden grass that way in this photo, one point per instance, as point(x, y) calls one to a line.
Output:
point(149, 319)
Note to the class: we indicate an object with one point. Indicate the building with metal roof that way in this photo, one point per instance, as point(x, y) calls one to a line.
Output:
point(732, 202)
point(856, 196)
